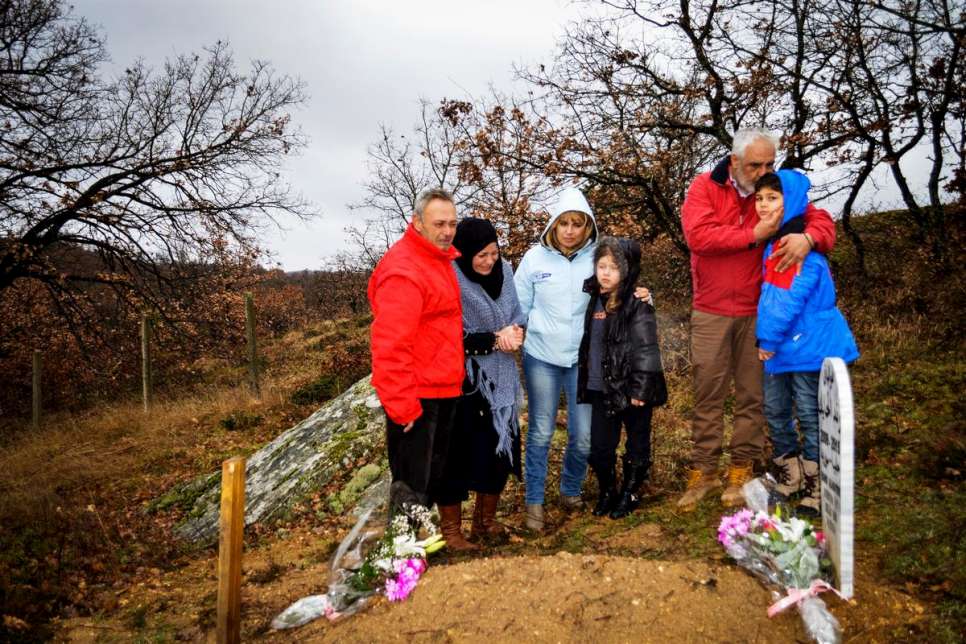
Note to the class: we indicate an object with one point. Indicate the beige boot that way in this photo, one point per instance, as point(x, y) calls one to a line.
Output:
point(699, 484)
point(738, 475)
point(534, 519)
point(788, 474)
point(811, 503)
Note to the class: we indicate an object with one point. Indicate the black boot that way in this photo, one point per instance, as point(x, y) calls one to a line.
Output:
point(634, 476)
point(607, 482)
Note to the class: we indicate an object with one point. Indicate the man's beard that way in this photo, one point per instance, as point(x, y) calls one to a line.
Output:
point(742, 181)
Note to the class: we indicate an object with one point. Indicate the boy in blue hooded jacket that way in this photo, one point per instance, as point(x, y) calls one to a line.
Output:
point(798, 327)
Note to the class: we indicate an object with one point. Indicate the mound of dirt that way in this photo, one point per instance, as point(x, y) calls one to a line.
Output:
point(567, 598)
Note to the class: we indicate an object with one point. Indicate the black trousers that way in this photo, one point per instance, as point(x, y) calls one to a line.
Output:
point(417, 458)
point(605, 434)
point(473, 463)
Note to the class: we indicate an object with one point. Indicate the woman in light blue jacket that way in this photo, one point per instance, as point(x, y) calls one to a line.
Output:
point(549, 283)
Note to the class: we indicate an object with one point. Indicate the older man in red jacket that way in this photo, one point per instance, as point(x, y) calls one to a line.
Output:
point(417, 356)
point(726, 239)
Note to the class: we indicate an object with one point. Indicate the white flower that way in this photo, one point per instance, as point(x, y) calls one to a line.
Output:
point(405, 546)
point(798, 528)
point(384, 564)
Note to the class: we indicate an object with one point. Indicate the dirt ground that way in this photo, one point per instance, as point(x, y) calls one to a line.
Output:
point(569, 598)
point(560, 597)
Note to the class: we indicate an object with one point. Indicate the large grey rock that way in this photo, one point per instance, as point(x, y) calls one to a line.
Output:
point(301, 459)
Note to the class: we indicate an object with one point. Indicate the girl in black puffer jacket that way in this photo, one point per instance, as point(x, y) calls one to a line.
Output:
point(620, 374)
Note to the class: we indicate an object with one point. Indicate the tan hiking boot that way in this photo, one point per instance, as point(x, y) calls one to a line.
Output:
point(811, 503)
point(738, 475)
point(699, 484)
point(788, 474)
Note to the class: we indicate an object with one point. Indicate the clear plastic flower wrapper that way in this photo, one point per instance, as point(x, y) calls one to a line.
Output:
point(372, 559)
point(787, 554)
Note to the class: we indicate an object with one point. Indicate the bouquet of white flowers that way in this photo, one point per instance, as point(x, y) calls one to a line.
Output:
point(366, 564)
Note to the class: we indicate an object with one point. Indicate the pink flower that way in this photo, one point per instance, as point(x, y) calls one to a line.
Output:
point(410, 568)
point(398, 590)
point(408, 572)
point(735, 525)
point(819, 537)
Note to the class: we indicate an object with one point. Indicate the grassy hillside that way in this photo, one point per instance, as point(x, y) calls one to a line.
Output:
point(76, 533)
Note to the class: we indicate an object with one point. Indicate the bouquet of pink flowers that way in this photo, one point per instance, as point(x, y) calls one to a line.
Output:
point(371, 561)
point(398, 559)
point(788, 554)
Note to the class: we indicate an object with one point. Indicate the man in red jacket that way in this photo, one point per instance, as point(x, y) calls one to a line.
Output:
point(417, 356)
point(726, 239)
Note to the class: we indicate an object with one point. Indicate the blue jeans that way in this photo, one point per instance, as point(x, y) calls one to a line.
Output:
point(788, 395)
point(544, 383)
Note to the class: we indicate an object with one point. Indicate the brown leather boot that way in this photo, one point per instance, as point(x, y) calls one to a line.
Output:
point(485, 525)
point(450, 525)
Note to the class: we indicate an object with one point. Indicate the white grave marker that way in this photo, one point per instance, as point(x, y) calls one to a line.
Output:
point(836, 420)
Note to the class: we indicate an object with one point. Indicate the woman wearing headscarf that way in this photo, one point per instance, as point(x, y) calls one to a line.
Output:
point(485, 449)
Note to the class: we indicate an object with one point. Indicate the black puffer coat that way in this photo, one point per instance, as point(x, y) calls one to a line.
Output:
point(632, 359)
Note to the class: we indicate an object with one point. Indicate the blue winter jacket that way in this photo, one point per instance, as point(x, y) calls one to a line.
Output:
point(797, 316)
point(550, 288)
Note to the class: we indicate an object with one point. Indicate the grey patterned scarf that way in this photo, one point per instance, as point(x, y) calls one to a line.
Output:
point(495, 375)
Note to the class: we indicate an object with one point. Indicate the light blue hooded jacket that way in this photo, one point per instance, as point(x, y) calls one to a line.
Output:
point(797, 316)
point(550, 288)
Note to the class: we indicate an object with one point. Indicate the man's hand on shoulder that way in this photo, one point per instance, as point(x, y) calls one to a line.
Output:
point(792, 249)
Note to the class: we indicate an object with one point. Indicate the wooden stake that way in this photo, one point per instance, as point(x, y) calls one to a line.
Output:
point(146, 361)
point(252, 347)
point(232, 524)
point(37, 408)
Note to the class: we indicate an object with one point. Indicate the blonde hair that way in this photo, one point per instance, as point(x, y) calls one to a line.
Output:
point(588, 231)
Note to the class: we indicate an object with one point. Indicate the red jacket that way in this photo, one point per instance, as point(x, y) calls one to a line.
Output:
point(725, 261)
point(417, 326)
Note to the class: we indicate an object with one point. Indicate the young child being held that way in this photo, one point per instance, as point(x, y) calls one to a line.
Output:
point(619, 374)
point(798, 327)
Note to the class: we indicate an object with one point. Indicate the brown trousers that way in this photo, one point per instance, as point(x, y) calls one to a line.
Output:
point(722, 349)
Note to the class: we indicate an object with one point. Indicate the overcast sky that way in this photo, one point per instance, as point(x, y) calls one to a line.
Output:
point(365, 62)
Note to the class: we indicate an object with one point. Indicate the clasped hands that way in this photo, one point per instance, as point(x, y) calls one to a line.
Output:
point(509, 338)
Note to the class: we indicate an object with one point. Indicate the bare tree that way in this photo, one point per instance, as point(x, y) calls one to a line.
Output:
point(498, 158)
point(156, 172)
point(851, 85)
point(400, 168)
point(646, 94)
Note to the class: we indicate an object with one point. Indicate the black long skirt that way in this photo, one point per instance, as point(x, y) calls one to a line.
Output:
point(473, 464)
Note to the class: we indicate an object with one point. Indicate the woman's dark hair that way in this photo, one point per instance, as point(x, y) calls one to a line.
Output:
point(770, 181)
